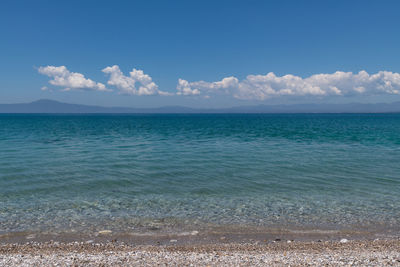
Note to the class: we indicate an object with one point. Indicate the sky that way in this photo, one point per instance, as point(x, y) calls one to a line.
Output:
point(199, 53)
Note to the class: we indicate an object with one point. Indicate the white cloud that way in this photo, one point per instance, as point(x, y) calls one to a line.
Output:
point(127, 84)
point(258, 87)
point(184, 88)
point(261, 87)
point(195, 88)
point(61, 76)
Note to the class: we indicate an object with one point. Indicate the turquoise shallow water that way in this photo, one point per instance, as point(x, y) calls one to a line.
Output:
point(88, 172)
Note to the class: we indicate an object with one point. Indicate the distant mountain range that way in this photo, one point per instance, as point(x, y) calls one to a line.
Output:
point(51, 106)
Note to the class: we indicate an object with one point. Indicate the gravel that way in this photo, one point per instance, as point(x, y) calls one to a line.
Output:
point(329, 253)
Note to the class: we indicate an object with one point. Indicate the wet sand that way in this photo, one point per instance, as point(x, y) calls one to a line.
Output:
point(205, 235)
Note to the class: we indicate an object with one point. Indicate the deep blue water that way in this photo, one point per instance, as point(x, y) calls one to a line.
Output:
point(85, 172)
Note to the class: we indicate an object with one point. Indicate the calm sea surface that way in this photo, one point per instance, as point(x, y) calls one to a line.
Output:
point(88, 172)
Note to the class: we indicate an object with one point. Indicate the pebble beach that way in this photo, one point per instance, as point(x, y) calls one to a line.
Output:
point(274, 253)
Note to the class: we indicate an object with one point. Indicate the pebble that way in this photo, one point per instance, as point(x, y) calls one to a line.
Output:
point(194, 233)
point(361, 253)
point(344, 240)
point(105, 232)
point(31, 236)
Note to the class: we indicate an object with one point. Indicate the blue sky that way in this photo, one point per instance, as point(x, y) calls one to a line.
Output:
point(199, 53)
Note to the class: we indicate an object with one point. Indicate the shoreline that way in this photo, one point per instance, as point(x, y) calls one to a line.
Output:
point(222, 234)
point(212, 246)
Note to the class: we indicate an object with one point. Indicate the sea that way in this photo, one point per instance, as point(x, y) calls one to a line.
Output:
point(168, 172)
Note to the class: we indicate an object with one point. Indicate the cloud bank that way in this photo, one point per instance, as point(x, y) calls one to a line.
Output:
point(261, 87)
point(253, 87)
point(127, 84)
point(61, 76)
